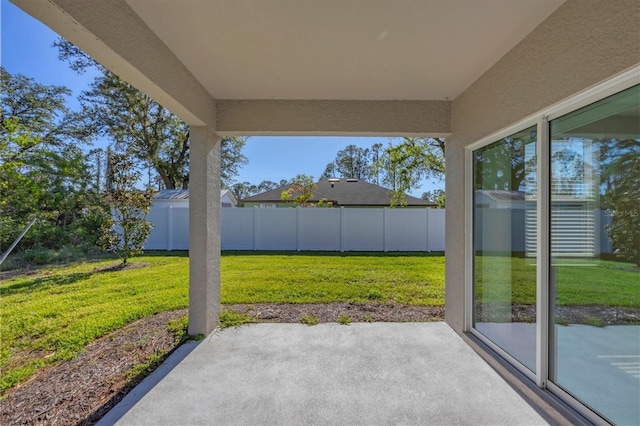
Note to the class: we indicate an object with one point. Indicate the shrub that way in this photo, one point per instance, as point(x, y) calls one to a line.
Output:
point(37, 255)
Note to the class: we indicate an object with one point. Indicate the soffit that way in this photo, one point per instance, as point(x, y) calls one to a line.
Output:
point(339, 49)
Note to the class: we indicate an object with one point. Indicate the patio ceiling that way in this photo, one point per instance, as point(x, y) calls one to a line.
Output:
point(337, 49)
point(191, 54)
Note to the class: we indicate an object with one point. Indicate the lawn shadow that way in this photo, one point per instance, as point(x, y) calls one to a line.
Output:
point(55, 280)
point(47, 280)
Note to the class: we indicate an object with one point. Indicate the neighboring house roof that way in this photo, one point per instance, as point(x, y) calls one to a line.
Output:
point(183, 194)
point(342, 192)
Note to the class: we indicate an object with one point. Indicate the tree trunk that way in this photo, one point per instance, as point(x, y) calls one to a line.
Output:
point(168, 182)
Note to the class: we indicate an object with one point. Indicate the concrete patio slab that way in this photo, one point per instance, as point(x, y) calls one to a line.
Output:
point(292, 374)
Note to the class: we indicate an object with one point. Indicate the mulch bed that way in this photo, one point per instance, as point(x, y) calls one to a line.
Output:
point(82, 390)
point(330, 312)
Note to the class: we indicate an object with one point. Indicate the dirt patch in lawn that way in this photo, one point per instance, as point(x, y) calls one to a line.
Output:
point(84, 389)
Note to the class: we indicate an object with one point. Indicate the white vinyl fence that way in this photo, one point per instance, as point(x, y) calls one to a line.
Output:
point(340, 229)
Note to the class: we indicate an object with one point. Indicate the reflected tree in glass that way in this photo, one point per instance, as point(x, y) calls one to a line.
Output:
point(620, 161)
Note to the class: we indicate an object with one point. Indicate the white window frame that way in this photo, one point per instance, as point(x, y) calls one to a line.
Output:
point(541, 119)
point(469, 150)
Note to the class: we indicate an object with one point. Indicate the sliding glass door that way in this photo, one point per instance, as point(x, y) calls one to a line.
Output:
point(595, 255)
point(555, 255)
point(504, 200)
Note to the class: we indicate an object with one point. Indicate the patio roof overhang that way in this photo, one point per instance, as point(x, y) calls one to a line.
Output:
point(463, 69)
point(299, 67)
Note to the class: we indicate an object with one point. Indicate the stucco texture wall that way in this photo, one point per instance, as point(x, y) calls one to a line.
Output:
point(581, 44)
point(325, 117)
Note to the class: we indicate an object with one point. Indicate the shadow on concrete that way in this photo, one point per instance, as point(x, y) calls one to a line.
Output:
point(149, 382)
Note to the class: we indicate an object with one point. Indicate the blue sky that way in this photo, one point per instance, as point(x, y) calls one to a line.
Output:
point(26, 49)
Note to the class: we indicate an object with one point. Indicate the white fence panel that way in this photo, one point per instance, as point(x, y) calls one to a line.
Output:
point(236, 231)
point(363, 229)
point(435, 229)
point(404, 230)
point(275, 229)
point(179, 235)
point(341, 229)
point(319, 229)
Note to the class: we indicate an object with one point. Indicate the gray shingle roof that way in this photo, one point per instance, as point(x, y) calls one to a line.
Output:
point(345, 192)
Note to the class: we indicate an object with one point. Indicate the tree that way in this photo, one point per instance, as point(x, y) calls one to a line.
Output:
point(376, 152)
point(141, 127)
point(301, 190)
point(355, 162)
point(503, 165)
point(568, 170)
point(329, 172)
point(401, 166)
point(351, 162)
point(267, 185)
point(127, 229)
point(437, 196)
point(43, 171)
point(620, 169)
point(405, 164)
point(98, 164)
point(247, 189)
point(242, 190)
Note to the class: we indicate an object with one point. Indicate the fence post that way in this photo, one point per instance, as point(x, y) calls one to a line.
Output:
point(426, 227)
point(255, 228)
point(384, 229)
point(170, 228)
point(342, 228)
point(298, 227)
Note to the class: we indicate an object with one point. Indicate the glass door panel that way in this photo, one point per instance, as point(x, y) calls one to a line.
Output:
point(595, 255)
point(504, 308)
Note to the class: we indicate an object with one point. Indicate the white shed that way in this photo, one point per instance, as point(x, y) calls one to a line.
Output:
point(180, 198)
point(170, 217)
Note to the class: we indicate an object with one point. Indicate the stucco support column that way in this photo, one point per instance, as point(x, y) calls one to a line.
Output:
point(455, 236)
point(204, 230)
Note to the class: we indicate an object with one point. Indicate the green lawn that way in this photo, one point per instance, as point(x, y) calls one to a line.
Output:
point(51, 315)
point(414, 279)
point(579, 281)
